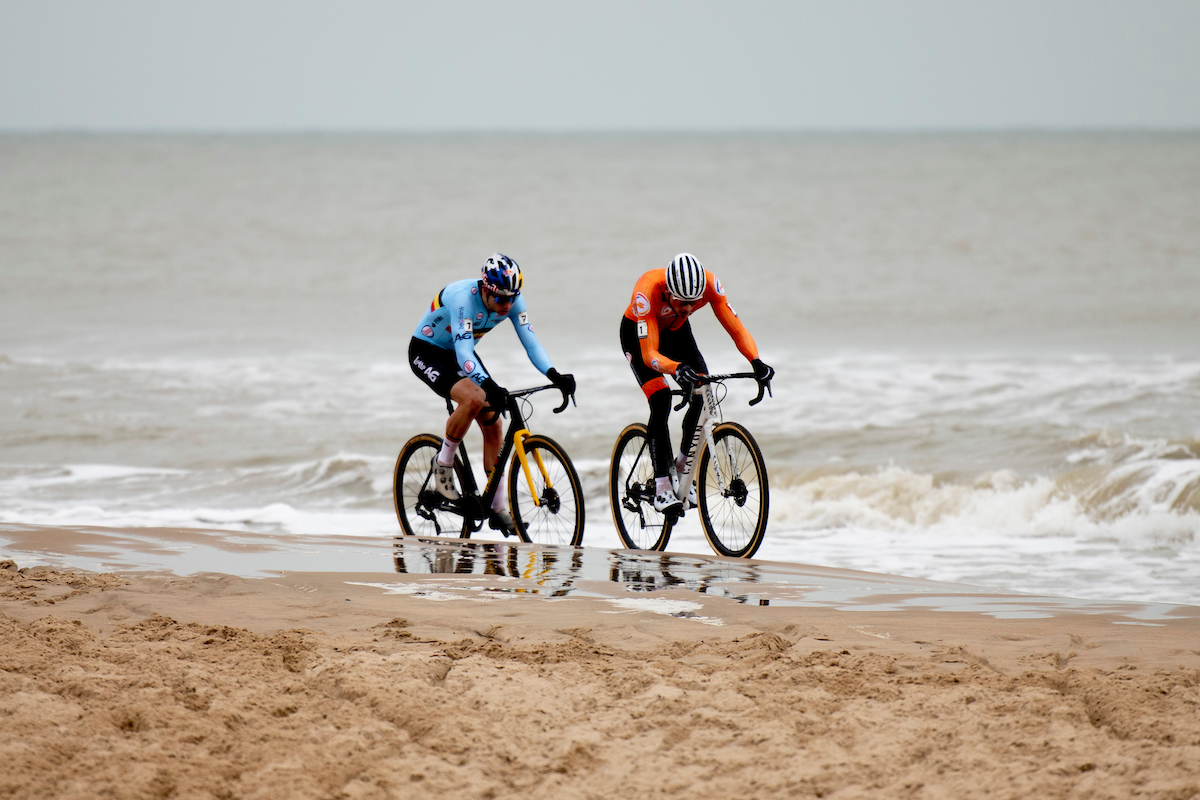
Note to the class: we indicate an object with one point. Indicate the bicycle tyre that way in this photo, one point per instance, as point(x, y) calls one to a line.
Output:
point(412, 492)
point(631, 493)
point(559, 517)
point(734, 516)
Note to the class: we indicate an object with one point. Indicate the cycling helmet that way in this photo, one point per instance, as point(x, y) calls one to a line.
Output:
point(685, 278)
point(502, 276)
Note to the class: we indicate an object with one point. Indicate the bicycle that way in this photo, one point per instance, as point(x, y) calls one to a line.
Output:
point(732, 489)
point(544, 493)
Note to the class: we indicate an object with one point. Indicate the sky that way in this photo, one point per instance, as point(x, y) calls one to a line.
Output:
point(619, 65)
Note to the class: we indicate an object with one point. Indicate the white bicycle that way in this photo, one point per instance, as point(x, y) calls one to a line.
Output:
point(731, 480)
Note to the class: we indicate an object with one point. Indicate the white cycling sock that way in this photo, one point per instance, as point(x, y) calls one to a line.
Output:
point(500, 501)
point(445, 456)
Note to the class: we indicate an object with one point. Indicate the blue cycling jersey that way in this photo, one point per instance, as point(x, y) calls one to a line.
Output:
point(457, 317)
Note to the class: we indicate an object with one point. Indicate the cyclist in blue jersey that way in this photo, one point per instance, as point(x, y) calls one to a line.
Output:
point(442, 354)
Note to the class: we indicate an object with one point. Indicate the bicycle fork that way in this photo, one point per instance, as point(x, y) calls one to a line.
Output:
point(519, 443)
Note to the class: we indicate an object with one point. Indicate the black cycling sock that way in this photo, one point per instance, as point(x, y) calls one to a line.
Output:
point(690, 417)
point(658, 433)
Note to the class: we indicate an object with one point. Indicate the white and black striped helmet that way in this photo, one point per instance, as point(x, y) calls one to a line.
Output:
point(685, 278)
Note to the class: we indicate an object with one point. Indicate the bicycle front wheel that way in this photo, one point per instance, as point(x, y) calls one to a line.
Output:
point(546, 502)
point(419, 508)
point(733, 492)
point(631, 493)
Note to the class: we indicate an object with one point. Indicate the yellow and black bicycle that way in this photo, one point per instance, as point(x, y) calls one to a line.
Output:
point(544, 493)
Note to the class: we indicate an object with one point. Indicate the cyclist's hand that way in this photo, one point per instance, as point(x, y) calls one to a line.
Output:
point(762, 372)
point(564, 383)
point(687, 378)
point(497, 395)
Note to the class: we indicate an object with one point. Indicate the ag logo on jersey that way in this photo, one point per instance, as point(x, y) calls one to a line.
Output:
point(641, 304)
point(643, 329)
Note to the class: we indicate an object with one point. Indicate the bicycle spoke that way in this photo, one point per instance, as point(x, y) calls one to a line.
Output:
point(734, 506)
point(551, 511)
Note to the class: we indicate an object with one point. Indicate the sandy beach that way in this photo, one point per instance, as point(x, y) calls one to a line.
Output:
point(141, 684)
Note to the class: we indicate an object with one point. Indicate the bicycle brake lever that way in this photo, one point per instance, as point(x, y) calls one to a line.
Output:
point(761, 387)
point(566, 398)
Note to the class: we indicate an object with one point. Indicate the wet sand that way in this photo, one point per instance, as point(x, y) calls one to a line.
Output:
point(499, 671)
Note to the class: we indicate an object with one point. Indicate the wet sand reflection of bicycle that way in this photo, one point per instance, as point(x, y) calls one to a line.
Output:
point(559, 571)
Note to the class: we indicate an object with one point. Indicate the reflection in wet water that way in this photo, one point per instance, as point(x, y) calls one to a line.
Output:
point(538, 565)
point(553, 571)
point(558, 571)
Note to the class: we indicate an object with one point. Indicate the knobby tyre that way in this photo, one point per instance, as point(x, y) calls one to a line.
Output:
point(419, 508)
point(733, 511)
point(557, 516)
point(631, 493)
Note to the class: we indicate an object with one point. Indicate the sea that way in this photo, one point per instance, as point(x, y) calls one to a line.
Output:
point(987, 344)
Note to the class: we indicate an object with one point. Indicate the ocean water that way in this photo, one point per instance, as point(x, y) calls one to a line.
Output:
point(988, 369)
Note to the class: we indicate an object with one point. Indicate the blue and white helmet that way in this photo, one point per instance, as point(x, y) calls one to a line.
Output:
point(685, 278)
point(501, 275)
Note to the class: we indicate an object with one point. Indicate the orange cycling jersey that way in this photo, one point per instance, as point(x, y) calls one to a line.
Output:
point(651, 308)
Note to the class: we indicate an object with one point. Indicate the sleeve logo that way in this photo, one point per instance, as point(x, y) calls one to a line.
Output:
point(427, 331)
point(717, 283)
point(469, 366)
point(641, 304)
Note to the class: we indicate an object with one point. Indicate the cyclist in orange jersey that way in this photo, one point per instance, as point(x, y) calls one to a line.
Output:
point(657, 338)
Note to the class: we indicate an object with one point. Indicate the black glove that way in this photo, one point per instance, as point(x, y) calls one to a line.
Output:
point(497, 395)
point(687, 378)
point(564, 383)
point(762, 372)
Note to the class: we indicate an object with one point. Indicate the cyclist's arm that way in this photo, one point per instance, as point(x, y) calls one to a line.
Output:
point(533, 348)
point(715, 294)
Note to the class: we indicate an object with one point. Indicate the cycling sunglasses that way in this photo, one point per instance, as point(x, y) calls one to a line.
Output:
point(503, 298)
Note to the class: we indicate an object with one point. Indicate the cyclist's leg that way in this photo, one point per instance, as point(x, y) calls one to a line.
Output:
point(438, 369)
point(658, 396)
point(684, 348)
point(493, 438)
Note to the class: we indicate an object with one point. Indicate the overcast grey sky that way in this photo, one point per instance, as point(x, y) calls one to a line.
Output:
point(234, 65)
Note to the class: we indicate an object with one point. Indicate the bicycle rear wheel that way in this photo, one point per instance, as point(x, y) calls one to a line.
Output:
point(419, 508)
point(733, 504)
point(551, 511)
point(631, 493)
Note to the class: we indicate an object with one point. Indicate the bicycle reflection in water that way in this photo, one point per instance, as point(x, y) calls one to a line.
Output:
point(558, 572)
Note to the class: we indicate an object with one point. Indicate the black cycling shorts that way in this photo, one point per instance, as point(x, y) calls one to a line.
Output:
point(438, 368)
point(679, 345)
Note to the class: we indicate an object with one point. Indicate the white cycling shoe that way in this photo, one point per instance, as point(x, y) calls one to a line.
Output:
point(443, 481)
point(667, 503)
point(691, 501)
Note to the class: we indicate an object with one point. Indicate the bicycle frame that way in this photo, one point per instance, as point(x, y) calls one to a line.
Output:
point(477, 506)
